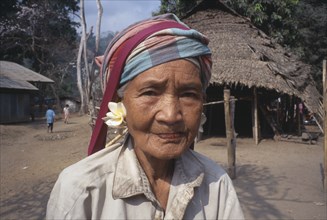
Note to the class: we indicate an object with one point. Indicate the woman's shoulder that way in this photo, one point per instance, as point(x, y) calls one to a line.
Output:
point(92, 168)
point(211, 168)
point(77, 182)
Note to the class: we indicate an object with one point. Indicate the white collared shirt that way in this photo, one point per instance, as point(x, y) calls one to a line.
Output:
point(111, 184)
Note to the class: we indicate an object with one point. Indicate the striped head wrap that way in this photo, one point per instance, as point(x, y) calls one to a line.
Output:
point(140, 47)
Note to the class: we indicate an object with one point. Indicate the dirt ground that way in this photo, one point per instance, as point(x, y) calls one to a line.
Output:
point(275, 180)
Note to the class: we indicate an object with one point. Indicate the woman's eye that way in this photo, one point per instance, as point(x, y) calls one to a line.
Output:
point(190, 95)
point(149, 93)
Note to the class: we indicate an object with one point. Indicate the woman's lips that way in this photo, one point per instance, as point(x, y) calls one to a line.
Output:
point(171, 136)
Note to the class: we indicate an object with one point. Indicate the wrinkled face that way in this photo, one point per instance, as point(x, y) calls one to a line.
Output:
point(164, 106)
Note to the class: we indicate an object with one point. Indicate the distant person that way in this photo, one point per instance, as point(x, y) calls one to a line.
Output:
point(66, 113)
point(50, 116)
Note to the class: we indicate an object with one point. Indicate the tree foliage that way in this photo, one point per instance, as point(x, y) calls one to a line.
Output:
point(40, 34)
point(274, 17)
point(178, 7)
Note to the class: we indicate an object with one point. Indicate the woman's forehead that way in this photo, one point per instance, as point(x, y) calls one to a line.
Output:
point(178, 70)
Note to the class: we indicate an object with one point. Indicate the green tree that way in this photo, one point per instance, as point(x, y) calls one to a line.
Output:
point(298, 25)
point(275, 17)
point(178, 7)
point(40, 34)
point(311, 44)
point(7, 7)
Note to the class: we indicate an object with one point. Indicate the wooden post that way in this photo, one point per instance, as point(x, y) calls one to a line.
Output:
point(255, 116)
point(299, 118)
point(232, 116)
point(325, 122)
point(229, 136)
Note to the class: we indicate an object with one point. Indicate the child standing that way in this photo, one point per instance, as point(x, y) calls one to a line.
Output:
point(66, 113)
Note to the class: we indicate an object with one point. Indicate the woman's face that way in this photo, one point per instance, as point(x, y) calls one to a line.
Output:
point(164, 106)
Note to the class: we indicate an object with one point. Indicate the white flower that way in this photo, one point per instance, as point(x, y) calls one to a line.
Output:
point(116, 117)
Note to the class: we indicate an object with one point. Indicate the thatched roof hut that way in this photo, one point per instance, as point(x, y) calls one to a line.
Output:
point(15, 76)
point(244, 55)
point(17, 87)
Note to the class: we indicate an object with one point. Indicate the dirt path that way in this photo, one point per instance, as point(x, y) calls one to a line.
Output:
point(31, 160)
point(276, 180)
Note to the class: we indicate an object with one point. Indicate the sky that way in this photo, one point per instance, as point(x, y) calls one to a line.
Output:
point(118, 14)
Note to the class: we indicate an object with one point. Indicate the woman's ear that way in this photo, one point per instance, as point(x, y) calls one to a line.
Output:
point(115, 98)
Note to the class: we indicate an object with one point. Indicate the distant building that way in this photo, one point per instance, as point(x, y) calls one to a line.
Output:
point(17, 86)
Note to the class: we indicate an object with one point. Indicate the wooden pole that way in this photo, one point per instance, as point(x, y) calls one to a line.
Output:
point(229, 136)
point(232, 113)
point(255, 116)
point(325, 122)
point(232, 116)
point(299, 118)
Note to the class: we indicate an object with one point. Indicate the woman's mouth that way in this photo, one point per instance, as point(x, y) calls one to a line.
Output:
point(171, 136)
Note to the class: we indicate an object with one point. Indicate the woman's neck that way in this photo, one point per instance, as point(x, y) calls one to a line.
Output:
point(159, 173)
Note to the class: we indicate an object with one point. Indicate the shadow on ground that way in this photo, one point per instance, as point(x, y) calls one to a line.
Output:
point(27, 203)
point(259, 192)
point(251, 182)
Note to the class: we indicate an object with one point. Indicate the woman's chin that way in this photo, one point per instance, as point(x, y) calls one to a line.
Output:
point(168, 151)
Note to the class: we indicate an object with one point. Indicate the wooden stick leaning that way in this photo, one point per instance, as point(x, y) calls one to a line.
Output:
point(117, 138)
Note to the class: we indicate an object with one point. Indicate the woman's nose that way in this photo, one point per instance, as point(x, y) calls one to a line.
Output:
point(170, 111)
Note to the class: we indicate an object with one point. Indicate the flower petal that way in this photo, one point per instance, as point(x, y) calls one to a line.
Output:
point(113, 123)
point(121, 109)
point(113, 116)
point(112, 107)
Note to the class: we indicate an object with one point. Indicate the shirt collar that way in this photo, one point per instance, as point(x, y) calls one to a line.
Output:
point(130, 179)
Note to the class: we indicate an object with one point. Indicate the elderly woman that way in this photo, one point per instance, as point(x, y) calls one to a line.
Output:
point(159, 69)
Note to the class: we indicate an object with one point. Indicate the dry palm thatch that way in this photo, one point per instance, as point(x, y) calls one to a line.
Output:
point(244, 55)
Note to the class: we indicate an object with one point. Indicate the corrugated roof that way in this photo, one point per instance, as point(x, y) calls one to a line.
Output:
point(15, 76)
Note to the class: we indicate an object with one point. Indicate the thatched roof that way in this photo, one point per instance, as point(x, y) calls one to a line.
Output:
point(15, 76)
point(244, 55)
